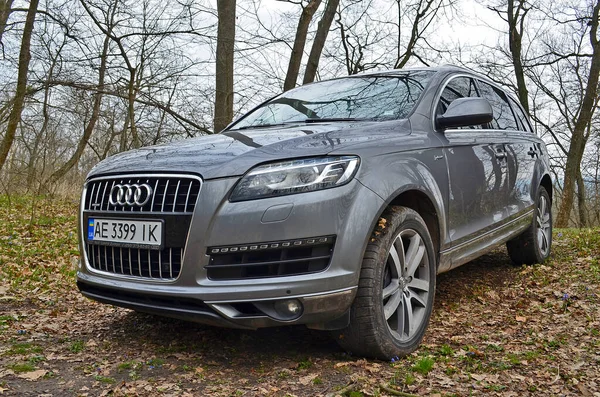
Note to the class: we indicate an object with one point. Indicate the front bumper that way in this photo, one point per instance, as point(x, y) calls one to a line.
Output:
point(347, 212)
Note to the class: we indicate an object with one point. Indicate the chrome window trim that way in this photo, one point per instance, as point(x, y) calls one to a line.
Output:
point(438, 95)
point(84, 257)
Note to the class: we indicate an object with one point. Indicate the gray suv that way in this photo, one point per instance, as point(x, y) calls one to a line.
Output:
point(333, 205)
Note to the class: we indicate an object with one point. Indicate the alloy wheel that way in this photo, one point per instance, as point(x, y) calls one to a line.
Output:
point(406, 285)
point(543, 225)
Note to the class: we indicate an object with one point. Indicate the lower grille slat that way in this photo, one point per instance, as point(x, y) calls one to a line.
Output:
point(170, 262)
point(143, 263)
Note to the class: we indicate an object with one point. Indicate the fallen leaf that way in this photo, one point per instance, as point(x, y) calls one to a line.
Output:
point(33, 375)
point(305, 380)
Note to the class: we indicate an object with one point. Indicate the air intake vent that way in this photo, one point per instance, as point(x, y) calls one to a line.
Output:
point(270, 259)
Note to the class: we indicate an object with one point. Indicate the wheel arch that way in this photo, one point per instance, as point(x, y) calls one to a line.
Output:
point(417, 199)
point(423, 205)
point(546, 183)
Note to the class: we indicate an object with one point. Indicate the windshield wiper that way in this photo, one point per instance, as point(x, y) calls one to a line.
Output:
point(248, 127)
point(333, 119)
point(307, 121)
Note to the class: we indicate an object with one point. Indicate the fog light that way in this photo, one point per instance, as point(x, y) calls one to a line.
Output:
point(289, 308)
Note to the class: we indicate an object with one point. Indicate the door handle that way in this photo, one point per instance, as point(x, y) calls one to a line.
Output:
point(532, 152)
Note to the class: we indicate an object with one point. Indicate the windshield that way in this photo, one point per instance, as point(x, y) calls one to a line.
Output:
point(374, 97)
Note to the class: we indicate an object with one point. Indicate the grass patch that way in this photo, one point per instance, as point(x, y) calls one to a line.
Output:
point(494, 348)
point(409, 379)
point(76, 346)
point(130, 365)
point(355, 394)
point(22, 367)
point(304, 364)
point(155, 362)
point(105, 379)
point(446, 351)
point(24, 348)
point(38, 242)
point(423, 365)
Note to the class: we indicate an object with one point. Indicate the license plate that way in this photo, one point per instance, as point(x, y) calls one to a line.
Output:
point(125, 232)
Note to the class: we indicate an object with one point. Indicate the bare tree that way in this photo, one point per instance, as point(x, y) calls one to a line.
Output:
point(323, 28)
point(91, 123)
point(420, 15)
point(514, 13)
point(224, 64)
point(308, 11)
point(579, 136)
point(5, 11)
point(19, 97)
point(363, 41)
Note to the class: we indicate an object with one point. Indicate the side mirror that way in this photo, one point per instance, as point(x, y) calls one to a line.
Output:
point(465, 112)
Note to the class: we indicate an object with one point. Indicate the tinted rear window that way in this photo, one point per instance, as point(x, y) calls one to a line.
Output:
point(523, 119)
point(504, 118)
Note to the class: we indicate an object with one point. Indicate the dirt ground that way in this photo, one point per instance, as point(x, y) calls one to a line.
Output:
point(496, 330)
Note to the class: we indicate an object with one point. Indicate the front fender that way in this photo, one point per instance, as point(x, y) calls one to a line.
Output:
point(390, 175)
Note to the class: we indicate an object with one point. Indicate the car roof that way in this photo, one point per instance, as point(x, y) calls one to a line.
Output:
point(440, 68)
point(443, 69)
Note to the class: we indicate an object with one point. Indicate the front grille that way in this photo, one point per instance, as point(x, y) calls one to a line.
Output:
point(172, 201)
point(270, 259)
point(163, 264)
point(170, 194)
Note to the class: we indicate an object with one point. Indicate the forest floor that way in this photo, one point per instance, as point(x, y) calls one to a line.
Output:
point(496, 330)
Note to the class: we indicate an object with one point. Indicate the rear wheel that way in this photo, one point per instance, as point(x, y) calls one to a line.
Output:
point(533, 245)
point(395, 294)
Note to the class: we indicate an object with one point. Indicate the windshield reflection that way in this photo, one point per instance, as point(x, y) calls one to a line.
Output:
point(373, 97)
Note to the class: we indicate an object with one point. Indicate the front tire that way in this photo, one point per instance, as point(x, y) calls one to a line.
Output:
point(396, 289)
point(533, 245)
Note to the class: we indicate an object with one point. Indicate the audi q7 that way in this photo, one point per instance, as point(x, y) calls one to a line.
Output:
point(333, 205)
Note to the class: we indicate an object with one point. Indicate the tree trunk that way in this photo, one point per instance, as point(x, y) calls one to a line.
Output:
point(516, 21)
point(131, 94)
point(578, 138)
point(24, 57)
point(321, 37)
point(224, 64)
point(5, 10)
point(299, 42)
point(581, 204)
point(89, 128)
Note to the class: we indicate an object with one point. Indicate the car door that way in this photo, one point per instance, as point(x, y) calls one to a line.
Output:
point(477, 169)
point(504, 123)
point(526, 148)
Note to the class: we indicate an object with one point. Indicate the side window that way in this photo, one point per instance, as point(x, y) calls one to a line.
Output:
point(521, 115)
point(504, 119)
point(458, 87)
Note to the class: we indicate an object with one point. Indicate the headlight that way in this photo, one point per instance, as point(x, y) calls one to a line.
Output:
point(295, 176)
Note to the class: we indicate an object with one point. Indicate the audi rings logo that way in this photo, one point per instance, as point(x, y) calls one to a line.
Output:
point(130, 194)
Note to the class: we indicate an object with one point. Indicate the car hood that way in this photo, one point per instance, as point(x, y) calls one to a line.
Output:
point(232, 153)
